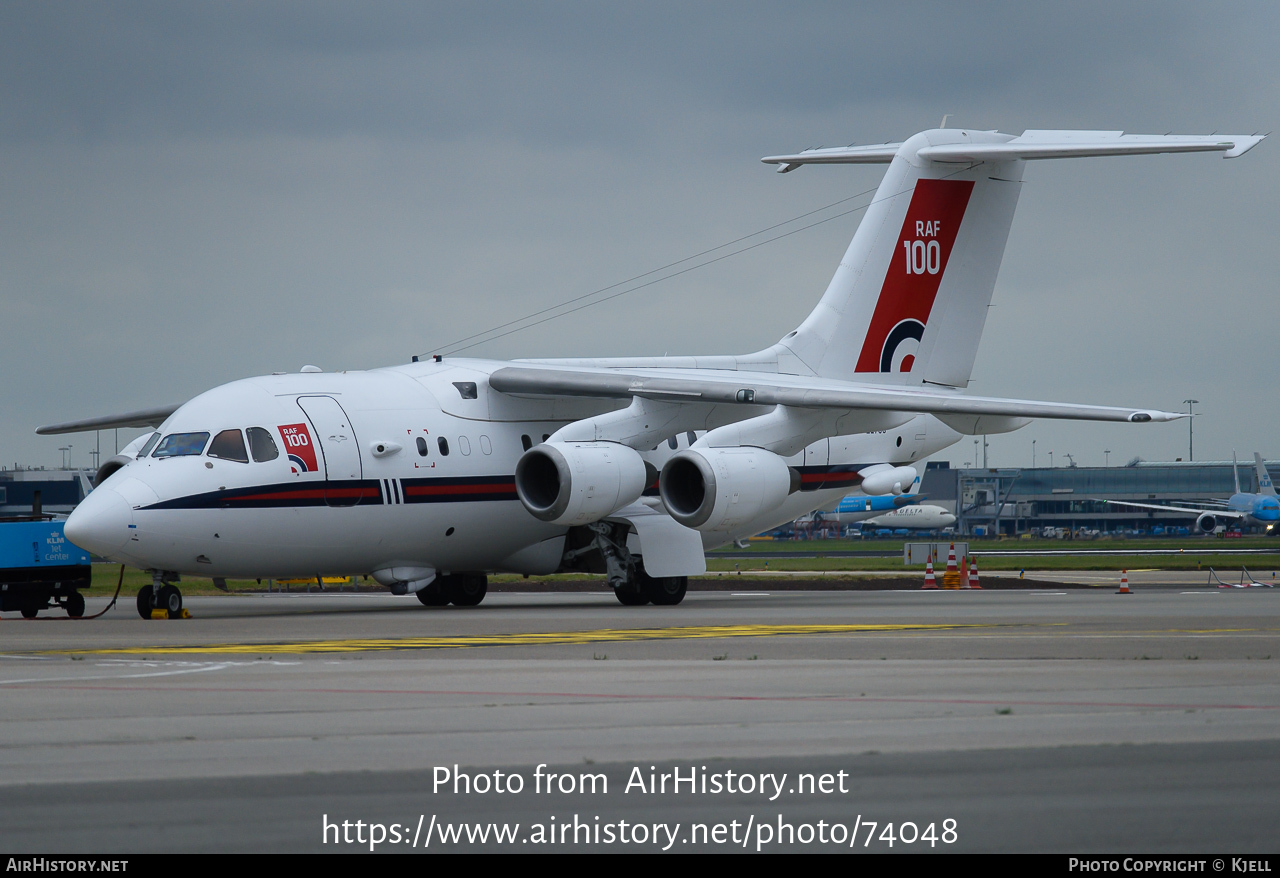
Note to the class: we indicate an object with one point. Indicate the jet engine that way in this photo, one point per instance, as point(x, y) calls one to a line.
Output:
point(717, 489)
point(885, 479)
point(575, 483)
point(1207, 523)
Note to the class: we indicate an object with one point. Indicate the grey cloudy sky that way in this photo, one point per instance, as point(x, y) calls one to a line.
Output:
point(191, 194)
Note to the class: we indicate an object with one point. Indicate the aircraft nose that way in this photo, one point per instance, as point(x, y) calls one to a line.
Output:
point(100, 523)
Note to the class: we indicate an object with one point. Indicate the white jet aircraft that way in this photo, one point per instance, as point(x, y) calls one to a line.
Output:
point(430, 475)
point(914, 517)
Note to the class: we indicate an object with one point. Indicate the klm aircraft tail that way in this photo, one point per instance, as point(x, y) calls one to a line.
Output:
point(1264, 477)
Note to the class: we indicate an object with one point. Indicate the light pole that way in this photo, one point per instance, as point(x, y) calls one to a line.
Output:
point(1191, 436)
point(64, 449)
point(1033, 454)
point(1050, 460)
point(1108, 454)
point(984, 452)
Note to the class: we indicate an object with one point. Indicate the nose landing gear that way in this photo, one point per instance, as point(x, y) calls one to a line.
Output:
point(161, 599)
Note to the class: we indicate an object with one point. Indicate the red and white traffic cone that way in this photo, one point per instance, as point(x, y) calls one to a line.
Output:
point(973, 573)
point(1124, 583)
point(951, 576)
point(929, 580)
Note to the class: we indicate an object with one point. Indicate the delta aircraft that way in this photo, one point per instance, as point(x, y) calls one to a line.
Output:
point(889, 510)
point(1261, 508)
point(430, 475)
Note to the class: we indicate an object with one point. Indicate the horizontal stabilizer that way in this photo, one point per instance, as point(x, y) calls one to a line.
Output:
point(147, 418)
point(1029, 146)
point(880, 154)
point(1081, 144)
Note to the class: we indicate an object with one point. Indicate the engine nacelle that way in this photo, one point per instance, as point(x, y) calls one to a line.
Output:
point(717, 489)
point(575, 483)
point(1207, 523)
point(885, 479)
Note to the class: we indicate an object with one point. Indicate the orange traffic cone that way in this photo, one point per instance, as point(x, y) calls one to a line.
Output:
point(964, 573)
point(973, 573)
point(929, 580)
point(951, 576)
point(1124, 583)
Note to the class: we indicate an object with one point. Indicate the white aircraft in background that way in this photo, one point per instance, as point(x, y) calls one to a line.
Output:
point(918, 517)
point(430, 475)
point(888, 510)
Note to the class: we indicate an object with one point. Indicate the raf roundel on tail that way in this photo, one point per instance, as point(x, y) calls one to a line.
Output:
point(915, 273)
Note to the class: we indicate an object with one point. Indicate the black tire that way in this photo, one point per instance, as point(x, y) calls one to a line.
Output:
point(29, 611)
point(171, 600)
point(666, 591)
point(433, 595)
point(629, 596)
point(467, 590)
point(74, 605)
point(144, 602)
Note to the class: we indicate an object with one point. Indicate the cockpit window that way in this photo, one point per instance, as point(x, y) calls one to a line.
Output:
point(181, 445)
point(229, 445)
point(151, 443)
point(262, 445)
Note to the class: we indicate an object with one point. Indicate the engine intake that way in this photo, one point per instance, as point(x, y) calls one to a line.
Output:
point(577, 483)
point(717, 489)
point(1207, 523)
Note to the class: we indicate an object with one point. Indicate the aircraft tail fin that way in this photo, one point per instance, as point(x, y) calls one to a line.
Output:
point(1264, 477)
point(1235, 470)
point(909, 301)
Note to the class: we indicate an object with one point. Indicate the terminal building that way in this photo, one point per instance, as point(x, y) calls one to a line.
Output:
point(49, 491)
point(1073, 499)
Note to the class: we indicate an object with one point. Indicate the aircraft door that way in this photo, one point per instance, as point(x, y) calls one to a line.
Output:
point(338, 445)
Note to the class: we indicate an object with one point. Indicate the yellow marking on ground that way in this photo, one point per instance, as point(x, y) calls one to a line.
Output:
point(602, 635)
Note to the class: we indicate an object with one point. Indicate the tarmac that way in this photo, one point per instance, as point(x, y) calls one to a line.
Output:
point(1070, 721)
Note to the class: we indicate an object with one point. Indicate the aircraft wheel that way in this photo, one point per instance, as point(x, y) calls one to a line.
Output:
point(468, 590)
point(29, 611)
point(144, 602)
point(667, 591)
point(433, 595)
point(171, 600)
point(74, 605)
point(631, 598)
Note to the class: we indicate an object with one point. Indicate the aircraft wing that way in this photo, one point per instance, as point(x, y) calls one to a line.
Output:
point(766, 388)
point(1225, 513)
point(146, 418)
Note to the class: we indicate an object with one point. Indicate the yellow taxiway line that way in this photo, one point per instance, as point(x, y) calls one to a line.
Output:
point(601, 635)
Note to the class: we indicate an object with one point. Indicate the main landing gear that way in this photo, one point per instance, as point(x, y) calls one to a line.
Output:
point(631, 585)
point(641, 589)
point(161, 595)
point(459, 589)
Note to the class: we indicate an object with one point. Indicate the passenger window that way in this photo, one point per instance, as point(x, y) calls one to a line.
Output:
point(262, 445)
point(181, 445)
point(526, 441)
point(229, 445)
point(422, 446)
point(444, 445)
point(151, 443)
point(464, 445)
